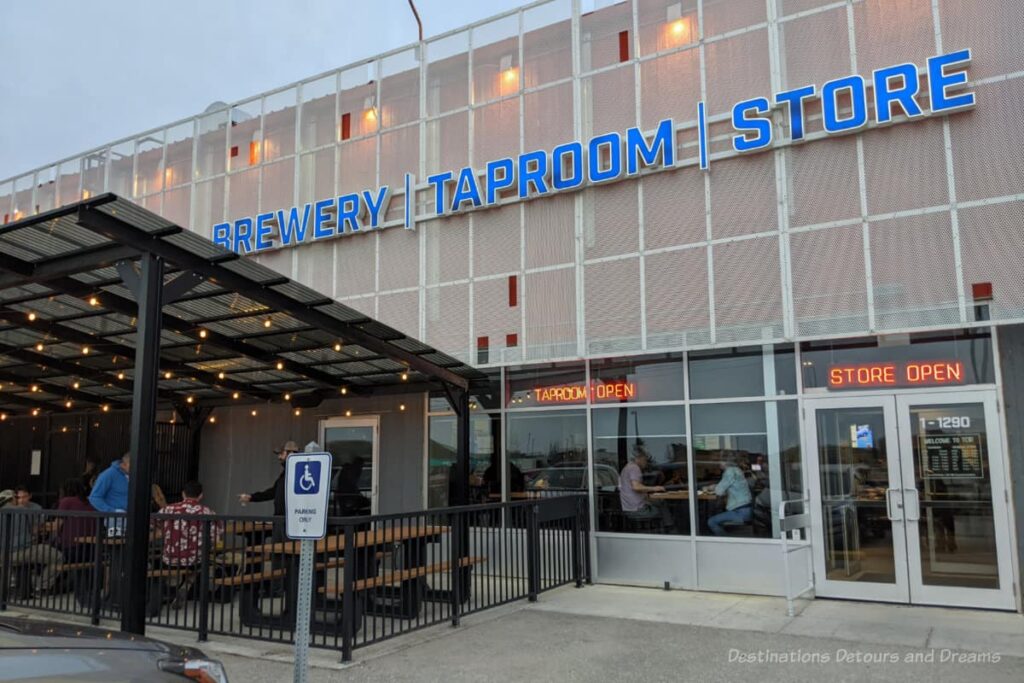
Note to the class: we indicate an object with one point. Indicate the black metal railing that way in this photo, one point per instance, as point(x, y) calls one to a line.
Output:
point(375, 577)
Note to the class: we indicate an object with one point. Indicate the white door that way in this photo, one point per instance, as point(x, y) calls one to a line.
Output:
point(353, 445)
point(908, 499)
point(856, 505)
point(954, 492)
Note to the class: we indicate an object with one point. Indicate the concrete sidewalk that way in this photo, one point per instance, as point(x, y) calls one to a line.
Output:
point(626, 634)
point(860, 622)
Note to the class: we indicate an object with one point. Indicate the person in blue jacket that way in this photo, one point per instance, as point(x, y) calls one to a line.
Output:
point(110, 493)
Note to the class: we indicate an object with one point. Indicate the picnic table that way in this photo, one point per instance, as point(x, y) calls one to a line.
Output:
point(371, 547)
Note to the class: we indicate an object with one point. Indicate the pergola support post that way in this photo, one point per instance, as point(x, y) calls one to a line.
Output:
point(458, 399)
point(149, 296)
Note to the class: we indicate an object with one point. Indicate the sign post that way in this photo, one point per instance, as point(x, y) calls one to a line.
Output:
point(307, 490)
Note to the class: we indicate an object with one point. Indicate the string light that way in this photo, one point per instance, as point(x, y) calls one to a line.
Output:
point(35, 412)
point(76, 385)
point(254, 413)
point(401, 407)
point(267, 323)
point(280, 365)
point(348, 413)
point(168, 375)
point(202, 334)
point(337, 347)
point(221, 375)
point(189, 399)
point(39, 347)
point(234, 395)
point(106, 408)
point(31, 317)
point(344, 390)
point(3, 416)
point(94, 301)
point(405, 376)
point(120, 376)
point(64, 430)
point(213, 419)
point(35, 388)
point(85, 350)
point(67, 404)
point(287, 397)
point(298, 411)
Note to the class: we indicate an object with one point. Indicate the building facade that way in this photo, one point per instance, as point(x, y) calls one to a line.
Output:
point(806, 284)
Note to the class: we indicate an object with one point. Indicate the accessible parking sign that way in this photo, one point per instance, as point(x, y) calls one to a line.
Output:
point(307, 494)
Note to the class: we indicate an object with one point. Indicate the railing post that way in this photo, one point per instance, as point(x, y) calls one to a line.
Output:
point(577, 543)
point(532, 551)
point(348, 594)
point(5, 572)
point(585, 527)
point(204, 584)
point(455, 553)
point(97, 572)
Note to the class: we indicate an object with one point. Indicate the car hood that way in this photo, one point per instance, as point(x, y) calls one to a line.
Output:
point(21, 634)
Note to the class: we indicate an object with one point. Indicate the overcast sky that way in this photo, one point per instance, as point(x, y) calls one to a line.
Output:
point(78, 74)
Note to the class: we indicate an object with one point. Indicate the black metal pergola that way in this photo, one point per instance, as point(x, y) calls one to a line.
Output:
point(104, 304)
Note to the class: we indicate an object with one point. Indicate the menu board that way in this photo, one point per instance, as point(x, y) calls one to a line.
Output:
point(951, 456)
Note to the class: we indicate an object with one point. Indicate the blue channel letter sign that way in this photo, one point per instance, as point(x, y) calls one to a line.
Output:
point(307, 494)
point(902, 92)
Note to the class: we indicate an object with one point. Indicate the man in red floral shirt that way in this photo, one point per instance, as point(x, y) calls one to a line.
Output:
point(183, 537)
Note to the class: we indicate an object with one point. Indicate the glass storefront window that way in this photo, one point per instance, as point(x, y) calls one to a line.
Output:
point(484, 465)
point(646, 446)
point(748, 371)
point(895, 361)
point(547, 452)
point(746, 459)
point(637, 380)
point(546, 386)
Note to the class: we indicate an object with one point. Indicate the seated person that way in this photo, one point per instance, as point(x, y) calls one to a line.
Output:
point(24, 545)
point(633, 493)
point(75, 498)
point(183, 538)
point(738, 501)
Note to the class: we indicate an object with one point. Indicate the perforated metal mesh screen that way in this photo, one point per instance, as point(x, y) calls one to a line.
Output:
point(881, 231)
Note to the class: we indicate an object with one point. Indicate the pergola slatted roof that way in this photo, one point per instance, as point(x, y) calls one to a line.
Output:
point(236, 328)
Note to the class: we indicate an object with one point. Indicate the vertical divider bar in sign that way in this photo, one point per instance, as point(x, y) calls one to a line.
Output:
point(409, 223)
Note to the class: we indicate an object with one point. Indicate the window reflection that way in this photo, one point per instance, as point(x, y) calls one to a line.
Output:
point(484, 459)
point(547, 453)
point(641, 480)
point(746, 461)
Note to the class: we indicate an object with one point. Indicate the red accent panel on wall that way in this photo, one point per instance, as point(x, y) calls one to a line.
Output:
point(623, 46)
point(513, 291)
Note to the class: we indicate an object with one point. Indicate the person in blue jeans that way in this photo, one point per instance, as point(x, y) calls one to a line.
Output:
point(739, 508)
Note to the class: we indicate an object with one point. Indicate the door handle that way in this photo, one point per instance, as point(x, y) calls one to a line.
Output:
point(889, 507)
point(915, 507)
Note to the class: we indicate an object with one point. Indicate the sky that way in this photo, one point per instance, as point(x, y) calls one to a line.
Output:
point(77, 75)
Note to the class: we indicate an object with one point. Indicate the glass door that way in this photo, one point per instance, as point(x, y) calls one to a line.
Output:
point(352, 443)
point(856, 506)
point(954, 493)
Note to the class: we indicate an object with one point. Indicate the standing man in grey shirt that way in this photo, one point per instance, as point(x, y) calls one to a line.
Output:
point(24, 548)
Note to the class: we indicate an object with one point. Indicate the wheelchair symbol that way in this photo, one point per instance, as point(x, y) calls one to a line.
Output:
point(307, 483)
point(307, 478)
